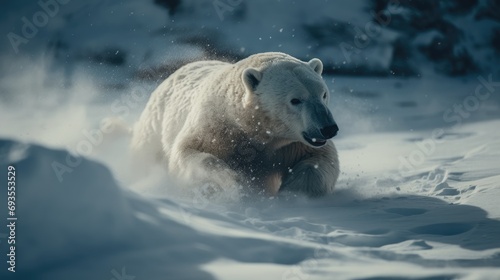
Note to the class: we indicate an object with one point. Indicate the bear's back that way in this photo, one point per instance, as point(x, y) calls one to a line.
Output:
point(188, 85)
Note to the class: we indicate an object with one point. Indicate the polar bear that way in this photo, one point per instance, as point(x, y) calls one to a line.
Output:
point(262, 122)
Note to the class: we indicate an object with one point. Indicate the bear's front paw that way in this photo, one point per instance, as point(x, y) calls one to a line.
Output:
point(305, 179)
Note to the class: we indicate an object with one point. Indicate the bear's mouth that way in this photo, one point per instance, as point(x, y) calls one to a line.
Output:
point(316, 142)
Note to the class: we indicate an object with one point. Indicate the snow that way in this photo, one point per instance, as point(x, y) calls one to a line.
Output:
point(438, 219)
point(417, 197)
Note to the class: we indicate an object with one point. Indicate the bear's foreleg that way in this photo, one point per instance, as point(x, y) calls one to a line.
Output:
point(204, 168)
point(315, 175)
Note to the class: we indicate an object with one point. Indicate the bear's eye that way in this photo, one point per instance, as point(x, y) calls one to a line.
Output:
point(324, 95)
point(295, 101)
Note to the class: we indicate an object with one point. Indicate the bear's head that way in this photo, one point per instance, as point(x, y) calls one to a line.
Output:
point(294, 97)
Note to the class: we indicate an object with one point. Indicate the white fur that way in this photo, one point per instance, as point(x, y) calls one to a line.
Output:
point(233, 124)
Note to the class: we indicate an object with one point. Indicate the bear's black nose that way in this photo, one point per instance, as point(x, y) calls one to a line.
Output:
point(329, 131)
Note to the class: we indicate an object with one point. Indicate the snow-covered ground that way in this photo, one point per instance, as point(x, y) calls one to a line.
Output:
point(411, 203)
point(420, 158)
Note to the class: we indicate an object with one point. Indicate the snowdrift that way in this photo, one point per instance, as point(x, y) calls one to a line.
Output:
point(87, 226)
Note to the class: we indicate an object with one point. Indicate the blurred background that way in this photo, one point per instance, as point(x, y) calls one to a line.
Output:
point(389, 64)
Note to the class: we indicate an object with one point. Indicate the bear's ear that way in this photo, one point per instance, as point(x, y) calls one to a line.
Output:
point(251, 78)
point(316, 65)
